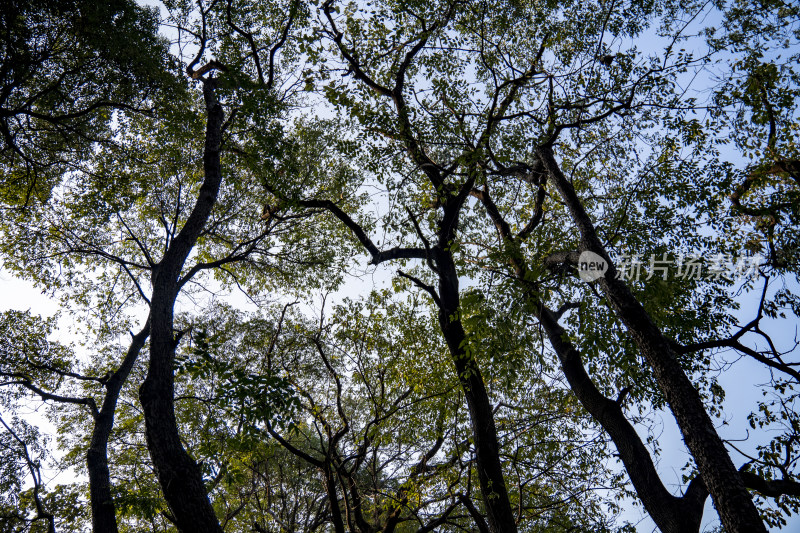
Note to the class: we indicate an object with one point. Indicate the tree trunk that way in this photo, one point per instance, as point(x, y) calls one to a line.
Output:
point(333, 499)
point(104, 518)
point(732, 500)
point(671, 514)
point(500, 516)
point(179, 475)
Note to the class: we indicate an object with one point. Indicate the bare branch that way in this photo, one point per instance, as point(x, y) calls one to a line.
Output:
point(424, 286)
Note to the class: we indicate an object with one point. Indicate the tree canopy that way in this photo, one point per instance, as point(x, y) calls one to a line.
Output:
point(393, 265)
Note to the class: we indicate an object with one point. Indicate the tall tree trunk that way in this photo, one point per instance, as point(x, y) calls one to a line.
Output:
point(732, 500)
point(104, 518)
point(333, 499)
point(179, 475)
point(500, 516)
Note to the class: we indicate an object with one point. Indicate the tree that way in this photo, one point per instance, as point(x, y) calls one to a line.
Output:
point(67, 67)
point(159, 233)
point(33, 365)
point(360, 400)
point(465, 138)
point(498, 141)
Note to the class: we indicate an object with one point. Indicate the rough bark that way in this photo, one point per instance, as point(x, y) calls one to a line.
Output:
point(732, 500)
point(104, 518)
point(179, 475)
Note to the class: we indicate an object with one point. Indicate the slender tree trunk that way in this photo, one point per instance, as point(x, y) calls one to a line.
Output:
point(179, 475)
point(104, 518)
point(732, 500)
point(333, 499)
point(500, 516)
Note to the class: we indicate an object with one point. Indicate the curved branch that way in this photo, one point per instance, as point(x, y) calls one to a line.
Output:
point(773, 487)
point(26, 382)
